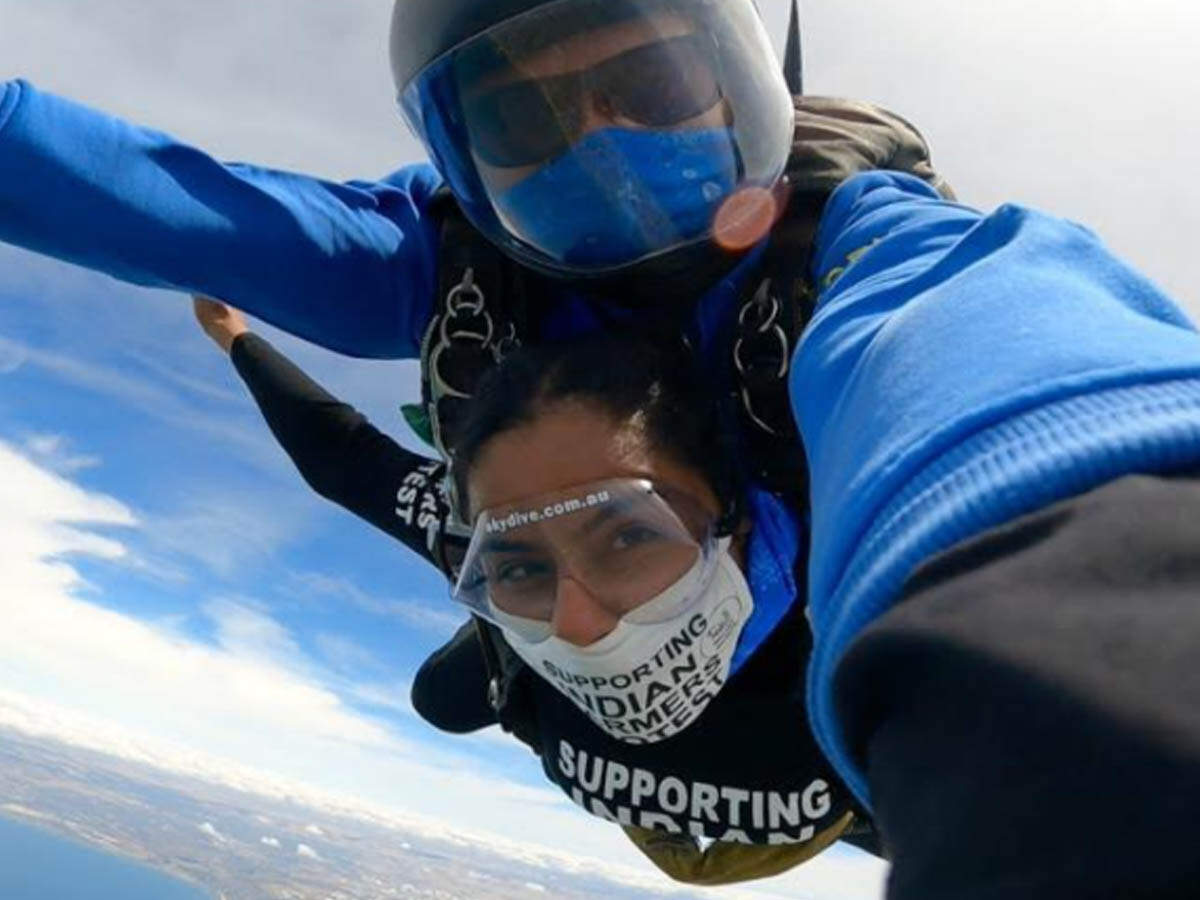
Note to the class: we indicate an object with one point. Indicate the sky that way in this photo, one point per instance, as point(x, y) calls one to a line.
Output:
point(172, 591)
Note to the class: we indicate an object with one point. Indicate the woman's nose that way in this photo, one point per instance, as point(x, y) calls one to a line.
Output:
point(578, 617)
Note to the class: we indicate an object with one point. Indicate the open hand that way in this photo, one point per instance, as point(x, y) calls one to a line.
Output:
point(220, 322)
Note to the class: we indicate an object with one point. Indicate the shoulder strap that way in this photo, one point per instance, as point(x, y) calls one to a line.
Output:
point(773, 313)
point(468, 330)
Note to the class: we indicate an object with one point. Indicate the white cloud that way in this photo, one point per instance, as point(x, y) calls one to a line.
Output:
point(306, 851)
point(438, 615)
point(392, 695)
point(346, 655)
point(29, 492)
point(224, 427)
point(54, 452)
point(102, 379)
point(248, 633)
point(134, 672)
point(228, 531)
point(219, 70)
point(210, 830)
point(269, 841)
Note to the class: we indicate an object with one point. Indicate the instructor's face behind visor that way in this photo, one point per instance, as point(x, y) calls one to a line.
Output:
point(614, 547)
point(586, 136)
point(627, 75)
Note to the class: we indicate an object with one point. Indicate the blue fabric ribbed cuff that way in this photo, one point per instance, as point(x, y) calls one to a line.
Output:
point(1021, 465)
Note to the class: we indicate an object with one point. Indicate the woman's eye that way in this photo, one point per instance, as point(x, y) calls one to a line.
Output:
point(633, 536)
point(518, 571)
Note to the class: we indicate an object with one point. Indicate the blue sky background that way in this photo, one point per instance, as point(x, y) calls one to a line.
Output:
point(173, 591)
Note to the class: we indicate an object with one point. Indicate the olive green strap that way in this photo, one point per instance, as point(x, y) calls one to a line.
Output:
point(680, 857)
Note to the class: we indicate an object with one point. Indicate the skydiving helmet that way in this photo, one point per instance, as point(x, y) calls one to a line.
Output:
point(587, 137)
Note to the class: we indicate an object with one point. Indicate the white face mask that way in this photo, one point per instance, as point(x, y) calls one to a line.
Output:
point(649, 678)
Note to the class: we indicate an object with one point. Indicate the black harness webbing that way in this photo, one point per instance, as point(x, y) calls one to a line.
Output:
point(468, 331)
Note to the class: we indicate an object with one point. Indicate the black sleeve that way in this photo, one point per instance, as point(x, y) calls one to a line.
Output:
point(340, 454)
point(450, 689)
point(1029, 715)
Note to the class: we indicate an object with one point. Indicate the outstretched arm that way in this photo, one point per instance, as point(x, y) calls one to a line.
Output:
point(348, 266)
point(336, 450)
point(962, 370)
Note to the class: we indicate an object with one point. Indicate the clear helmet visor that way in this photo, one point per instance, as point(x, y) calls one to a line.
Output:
point(624, 543)
point(589, 135)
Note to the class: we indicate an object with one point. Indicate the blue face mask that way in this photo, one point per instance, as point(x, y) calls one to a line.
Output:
point(619, 195)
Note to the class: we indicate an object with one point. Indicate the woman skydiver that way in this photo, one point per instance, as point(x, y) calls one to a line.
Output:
point(689, 663)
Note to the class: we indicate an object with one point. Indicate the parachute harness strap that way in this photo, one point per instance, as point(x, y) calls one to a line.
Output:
point(760, 352)
point(480, 313)
point(467, 335)
point(468, 331)
point(768, 326)
point(467, 341)
point(464, 346)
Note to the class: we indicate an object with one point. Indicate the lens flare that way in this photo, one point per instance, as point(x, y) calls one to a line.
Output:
point(745, 218)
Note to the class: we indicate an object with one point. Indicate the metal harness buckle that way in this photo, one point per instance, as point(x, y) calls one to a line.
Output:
point(760, 352)
point(463, 328)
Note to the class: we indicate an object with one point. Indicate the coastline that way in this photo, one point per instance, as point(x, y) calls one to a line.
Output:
point(25, 817)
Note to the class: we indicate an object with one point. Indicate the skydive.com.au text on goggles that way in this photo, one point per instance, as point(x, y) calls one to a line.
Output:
point(549, 511)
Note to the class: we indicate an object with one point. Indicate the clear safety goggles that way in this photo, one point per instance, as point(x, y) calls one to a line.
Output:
point(651, 112)
point(624, 542)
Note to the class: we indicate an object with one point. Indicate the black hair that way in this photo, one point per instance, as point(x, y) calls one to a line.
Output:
point(622, 377)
